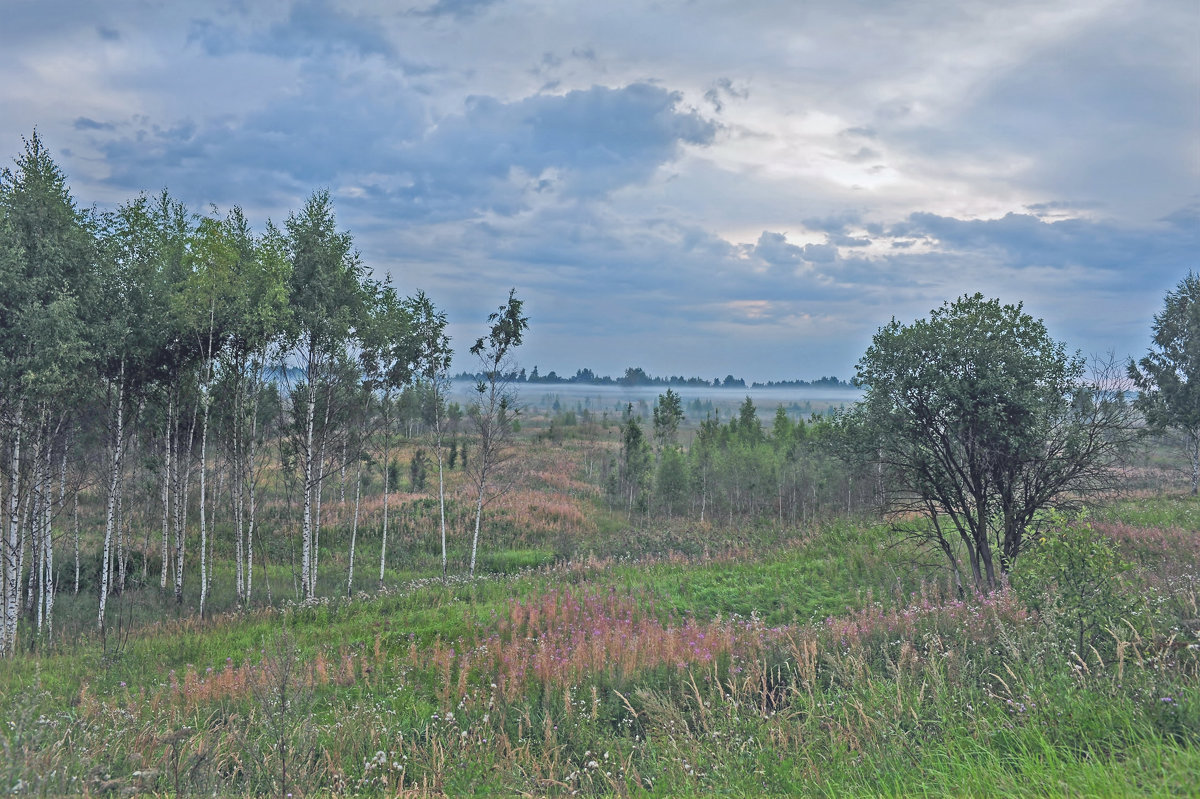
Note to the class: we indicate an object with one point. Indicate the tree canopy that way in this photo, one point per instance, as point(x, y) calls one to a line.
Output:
point(1168, 377)
point(978, 419)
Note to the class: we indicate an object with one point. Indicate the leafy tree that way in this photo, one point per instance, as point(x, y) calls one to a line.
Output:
point(636, 461)
point(258, 315)
point(493, 410)
point(747, 425)
point(671, 480)
point(980, 420)
point(668, 414)
point(1168, 377)
point(388, 353)
point(328, 294)
point(431, 364)
point(48, 260)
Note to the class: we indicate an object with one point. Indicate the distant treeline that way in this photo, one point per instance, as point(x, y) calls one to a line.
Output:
point(636, 376)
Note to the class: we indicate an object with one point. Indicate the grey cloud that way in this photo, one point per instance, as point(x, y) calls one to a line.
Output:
point(724, 87)
point(312, 28)
point(775, 249)
point(596, 139)
point(457, 9)
point(820, 253)
point(1023, 240)
point(84, 123)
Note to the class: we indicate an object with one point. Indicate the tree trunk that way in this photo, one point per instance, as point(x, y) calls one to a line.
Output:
point(181, 501)
point(237, 483)
point(46, 603)
point(168, 441)
point(110, 512)
point(203, 501)
point(1195, 453)
point(387, 473)
point(307, 523)
point(442, 481)
point(316, 545)
point(354, 527)
point(251, 477)
point(8, 624)
point(75, 526)
point(474, 538)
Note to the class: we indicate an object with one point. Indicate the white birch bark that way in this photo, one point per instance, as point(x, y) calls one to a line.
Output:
point(252, 477)
point(183, 479)
point(306, 530)
point(8, 626)
point(110, 511)
point(168, 440)
point(387, 473)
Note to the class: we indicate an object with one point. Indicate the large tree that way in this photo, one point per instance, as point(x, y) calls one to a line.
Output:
point(47, 267)
point(328, 293)
point(979, 420)
point(1168, 377)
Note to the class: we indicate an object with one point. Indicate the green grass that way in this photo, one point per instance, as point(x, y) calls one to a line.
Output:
point(978, 700)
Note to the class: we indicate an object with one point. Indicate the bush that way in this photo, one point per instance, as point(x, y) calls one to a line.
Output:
point(1074, 578)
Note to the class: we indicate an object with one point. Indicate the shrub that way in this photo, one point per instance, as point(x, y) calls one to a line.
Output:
point(1074, 578)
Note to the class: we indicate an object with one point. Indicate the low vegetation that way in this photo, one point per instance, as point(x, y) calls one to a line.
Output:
point(971, 583)
point(649, 658)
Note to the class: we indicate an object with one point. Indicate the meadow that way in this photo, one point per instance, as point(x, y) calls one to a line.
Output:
point(605, 653)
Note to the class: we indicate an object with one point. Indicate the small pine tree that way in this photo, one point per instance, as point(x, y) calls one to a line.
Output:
point(416, 471)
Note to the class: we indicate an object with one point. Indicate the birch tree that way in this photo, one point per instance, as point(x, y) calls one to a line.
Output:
point(388, 353)
point(1168, 376)
point(494, 405)
point(327, 296)
point(47, 260)
point(432, 368)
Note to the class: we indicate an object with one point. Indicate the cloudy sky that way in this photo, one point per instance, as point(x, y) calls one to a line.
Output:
point(692, 186)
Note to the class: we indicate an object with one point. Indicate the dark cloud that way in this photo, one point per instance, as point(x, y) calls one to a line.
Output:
point(83, 123)
point(775, 249)
point(1022, 241)
point(457, 9)
point(494, 157)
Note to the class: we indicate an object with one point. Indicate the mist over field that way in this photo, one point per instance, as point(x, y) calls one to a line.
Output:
point(573, 396)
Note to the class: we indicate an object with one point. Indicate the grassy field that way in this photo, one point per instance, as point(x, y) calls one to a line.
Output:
point(656, 658)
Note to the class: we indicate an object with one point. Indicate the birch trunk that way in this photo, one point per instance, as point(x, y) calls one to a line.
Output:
point(316, 545)
point(168, 440)
point(237, 485)
point(8, 619)
point(354, 527)
point(110, 511)
point(307, 523)
point(182, 483)
point(437, 422)
point(357, 492)
point(387, 473)
point(478, 518)
point(203, 502)
point(251, 479)
point(47, 600)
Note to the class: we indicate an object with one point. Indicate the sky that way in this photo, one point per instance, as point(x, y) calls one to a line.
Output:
point(695, 187)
